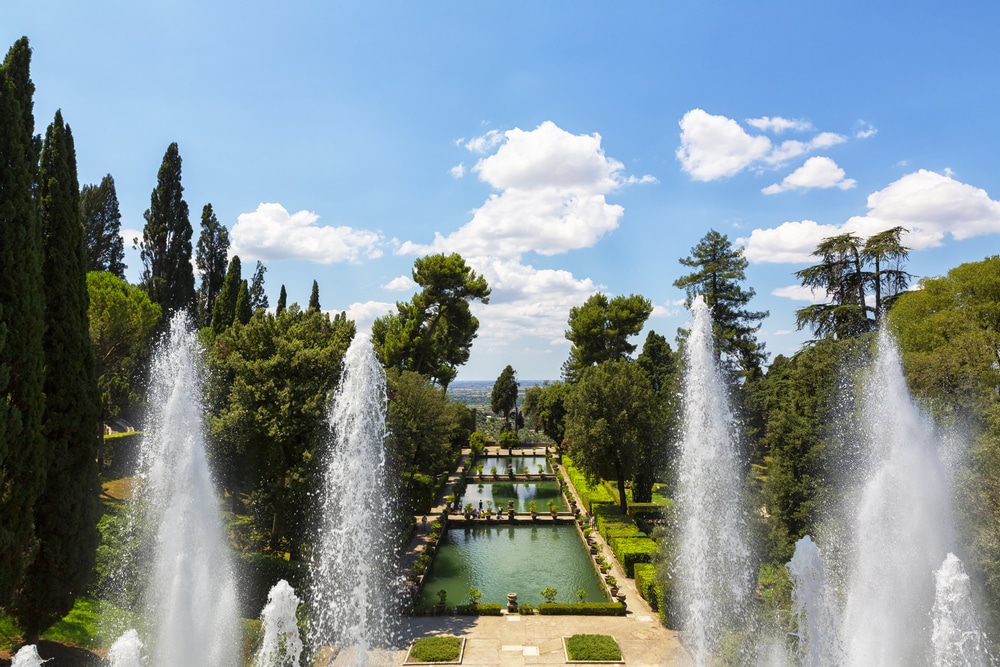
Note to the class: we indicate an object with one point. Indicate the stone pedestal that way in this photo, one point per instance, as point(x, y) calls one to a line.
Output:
point(511, 603)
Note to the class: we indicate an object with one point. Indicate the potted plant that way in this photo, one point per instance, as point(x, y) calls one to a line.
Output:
point(549, 594)
point(474, 595)
point(581, 596)
point(612, 585)
point(468, 510)
point(493, 472)
point(552, 508)
point(442, 597)
point(603, 564)
point(449, 501)
point(533, 508)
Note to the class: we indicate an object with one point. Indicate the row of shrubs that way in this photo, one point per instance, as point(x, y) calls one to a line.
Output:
point(589, 495)
point(628, 544)
point(653, 592)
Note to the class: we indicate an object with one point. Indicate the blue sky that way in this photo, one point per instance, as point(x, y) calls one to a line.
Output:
point(562, 147)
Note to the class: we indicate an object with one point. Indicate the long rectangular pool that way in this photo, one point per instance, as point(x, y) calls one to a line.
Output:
point(498, 560)
point(522, 493)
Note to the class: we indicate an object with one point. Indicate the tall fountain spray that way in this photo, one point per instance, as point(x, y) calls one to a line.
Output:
point(714, 573)
point(902, 528)
point(280, 645)
point(190, 594)
point(957, 638)
point(354, 570)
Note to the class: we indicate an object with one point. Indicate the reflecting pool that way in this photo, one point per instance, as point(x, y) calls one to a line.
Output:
point(521, 493)
point(503, 464)
point(506, 559)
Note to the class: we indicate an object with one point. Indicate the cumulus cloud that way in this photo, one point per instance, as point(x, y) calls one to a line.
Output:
point(817, 172)
point(458, 171)
point(399, 284)
point(364, 313)
point(714, 147)
point(929, 205)
point(777, 124)
point(552, 197)
point(270, 233)
point(486, 142)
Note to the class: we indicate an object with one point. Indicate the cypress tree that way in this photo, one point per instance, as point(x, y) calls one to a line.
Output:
point(258, 299)
point(66, 512)
point(282, 301)
point(224, 310)
point(314, 297)
point(22, 309)
point(213, 248)
point(243, 310)
point(102, 223)
point(167, 274)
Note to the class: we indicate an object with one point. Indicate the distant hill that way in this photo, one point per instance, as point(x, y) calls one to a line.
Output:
point(477, 393)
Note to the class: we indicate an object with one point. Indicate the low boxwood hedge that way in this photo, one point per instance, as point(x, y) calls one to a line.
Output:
point(593, 648)
point(632, 550)
point(582, 608)
point(484, 609)
point(645, 579)
point(436, 649)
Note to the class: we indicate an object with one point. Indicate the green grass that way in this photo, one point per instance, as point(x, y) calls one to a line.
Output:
point(91, 624)
point(436, 649)
point(593, 648)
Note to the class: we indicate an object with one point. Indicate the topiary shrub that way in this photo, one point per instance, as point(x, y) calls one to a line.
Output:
point(477, 443)
point(484, 609)
point(436, 649)
point(593, 648)
point(581, 609)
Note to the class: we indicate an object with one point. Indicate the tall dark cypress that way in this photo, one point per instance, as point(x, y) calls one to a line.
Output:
point(243, 309)
point(66, 512)
point(213, 249)
point(102, 226)
point(314, 297)
point(167, 274)
point(224, 311)
point(22, 312)
point(282, 299)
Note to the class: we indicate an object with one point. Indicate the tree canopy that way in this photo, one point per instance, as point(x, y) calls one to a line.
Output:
point(719, 276)
point(102, 222)
point(600, 329)
point(504, 395)
point(211, 257)
point(432, 334)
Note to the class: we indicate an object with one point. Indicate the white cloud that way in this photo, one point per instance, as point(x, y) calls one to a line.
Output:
point(801, 293)
point(485, 142)
point(270, 233)
point(458, 171)
point(552, 197)
point(716, 146)
point(863, 130)
point(777, 124)
point(929, 205)
point(399, 284)
point(817, 172)
point(129, 236)
point(364, 313)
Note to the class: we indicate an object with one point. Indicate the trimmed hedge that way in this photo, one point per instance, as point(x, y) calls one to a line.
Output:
point(632, 550)
point(645, 580)
point(593, 648)
point(589, 495)
point(436, 649)
point(484, 609)
point(582, 608)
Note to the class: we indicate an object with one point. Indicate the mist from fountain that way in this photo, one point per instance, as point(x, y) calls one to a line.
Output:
point(126, 651)
point(27, 656)
point(190, 594)
point(714, 573)
point(957, 638)
point(818, 641)
point(354, 572)
point(902, 528)
point(280, 645)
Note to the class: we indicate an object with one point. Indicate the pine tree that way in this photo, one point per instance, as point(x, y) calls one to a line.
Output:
point(213, 250)
point(258, 299)
point(314, 297)
point(167, 274)
point(224, 310)
point(282, 301)
point(66, 512)
point(102, 224)
point(22, 308)
point(718, 277)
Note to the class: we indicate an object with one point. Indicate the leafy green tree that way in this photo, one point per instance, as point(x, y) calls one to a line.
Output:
point(270, 383)
point(167, 274)
point(504, 396)
point(211, 259)
point(314, 297)
point(433, 333)
point(419, 424)
point(664, 370)
point(850, 269)
point(545, 404)
point(719, 271)
point(102, 223)
point(122, 323)
point(22, 307)
point(612, 416)
point(258, 298)
point(224, 308)
point(599, 331)
point(67, 510)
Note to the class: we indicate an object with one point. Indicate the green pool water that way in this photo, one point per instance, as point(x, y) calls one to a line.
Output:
point(522, 493)
point(512, 559)
point(503, 464)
